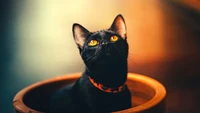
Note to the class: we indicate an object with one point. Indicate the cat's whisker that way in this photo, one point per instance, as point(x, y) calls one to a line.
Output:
point(131, 62)
point(129, 54)
point(97, 50)
point(125, 55)
point(94, 58)
point(88, 56)
point(129, 58)
point(82, 66)
point(90, 59)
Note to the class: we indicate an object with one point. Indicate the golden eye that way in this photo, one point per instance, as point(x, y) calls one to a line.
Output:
point(113, 38)
point(93, 43)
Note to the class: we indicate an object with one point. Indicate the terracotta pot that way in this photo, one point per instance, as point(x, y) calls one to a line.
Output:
point(148, 95)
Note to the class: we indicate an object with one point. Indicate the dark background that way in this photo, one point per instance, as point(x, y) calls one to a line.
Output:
point(164, 39)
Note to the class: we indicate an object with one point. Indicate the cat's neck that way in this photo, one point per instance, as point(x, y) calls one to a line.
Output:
point(107, 89)
point(111, 76)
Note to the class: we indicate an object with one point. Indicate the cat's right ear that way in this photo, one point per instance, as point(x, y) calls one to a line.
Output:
point(119, 26)
point(80, 34)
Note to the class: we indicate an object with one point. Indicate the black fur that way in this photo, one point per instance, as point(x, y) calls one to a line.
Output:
point(106, 63)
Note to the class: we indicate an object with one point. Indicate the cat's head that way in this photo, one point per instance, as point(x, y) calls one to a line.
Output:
point(103, 50)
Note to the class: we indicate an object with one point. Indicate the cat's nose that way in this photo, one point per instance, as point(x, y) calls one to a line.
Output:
point(104, 43)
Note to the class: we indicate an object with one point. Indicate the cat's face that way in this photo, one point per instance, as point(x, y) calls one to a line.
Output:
point(104, 48)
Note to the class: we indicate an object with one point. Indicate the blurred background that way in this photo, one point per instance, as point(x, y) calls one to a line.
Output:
point(164, 37)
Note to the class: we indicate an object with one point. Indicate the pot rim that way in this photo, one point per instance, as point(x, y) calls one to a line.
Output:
point(160, 92)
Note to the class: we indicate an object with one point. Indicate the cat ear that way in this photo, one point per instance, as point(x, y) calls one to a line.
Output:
point(119, 26)
point(80, 34)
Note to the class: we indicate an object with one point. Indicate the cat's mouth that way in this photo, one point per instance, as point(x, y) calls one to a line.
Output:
point(108, 58)
point(107, 54)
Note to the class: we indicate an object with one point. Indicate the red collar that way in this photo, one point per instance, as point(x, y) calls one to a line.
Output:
point(107, 89)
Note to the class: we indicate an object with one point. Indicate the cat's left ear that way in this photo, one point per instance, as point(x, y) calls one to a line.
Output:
point(119, 26)
point(80, 34)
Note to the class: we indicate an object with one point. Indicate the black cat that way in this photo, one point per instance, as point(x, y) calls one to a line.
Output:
point(101, 89)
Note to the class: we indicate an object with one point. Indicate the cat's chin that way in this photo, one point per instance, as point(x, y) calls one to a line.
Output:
point(107, 54)
point(109, 75)
point(104, 64)
point(108, 59)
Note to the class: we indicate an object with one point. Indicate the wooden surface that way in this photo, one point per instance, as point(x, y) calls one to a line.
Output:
point(148, 95)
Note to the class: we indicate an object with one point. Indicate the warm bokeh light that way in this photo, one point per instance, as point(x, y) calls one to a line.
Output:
point(45, 42)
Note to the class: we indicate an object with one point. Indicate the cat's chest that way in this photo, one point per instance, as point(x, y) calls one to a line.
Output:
point(99, 101)
point(103, 103)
